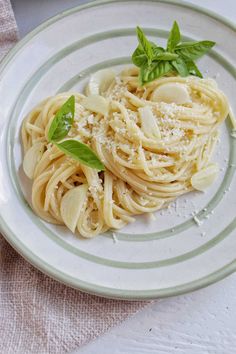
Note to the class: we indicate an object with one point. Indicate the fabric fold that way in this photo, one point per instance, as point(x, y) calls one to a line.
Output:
point(8, 28)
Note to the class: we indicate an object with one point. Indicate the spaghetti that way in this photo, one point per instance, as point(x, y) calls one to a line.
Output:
point(155, 143)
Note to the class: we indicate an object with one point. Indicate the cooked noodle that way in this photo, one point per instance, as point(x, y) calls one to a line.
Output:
point(147, 164)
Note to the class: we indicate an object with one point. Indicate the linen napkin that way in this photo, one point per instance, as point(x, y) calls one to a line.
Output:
point(38, 314)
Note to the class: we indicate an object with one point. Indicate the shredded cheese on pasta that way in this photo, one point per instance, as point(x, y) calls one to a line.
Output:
point(151, 150)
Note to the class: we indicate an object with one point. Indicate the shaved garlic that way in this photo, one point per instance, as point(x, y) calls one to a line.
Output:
point(95, 103)
point(100, 81)
point(232, 118)
point(150, 217)
point(32, 157)
point(205, 177)
point(148, 123)
point(171, 93)
point(71, 205)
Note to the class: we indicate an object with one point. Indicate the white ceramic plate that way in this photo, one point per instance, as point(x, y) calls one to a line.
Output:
point(169, 256)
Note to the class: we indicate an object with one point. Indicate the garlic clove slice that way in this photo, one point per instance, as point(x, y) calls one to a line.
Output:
point(71, 205)
point(100, 81)
point(205, 177)
point(96, 103)
point(31, 158)
point(149, 124)
point(171, 93)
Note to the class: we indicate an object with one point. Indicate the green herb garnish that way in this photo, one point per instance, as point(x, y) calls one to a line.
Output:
point(82, 153)
point(63, 120)
point(178, 57)
point(60, 127)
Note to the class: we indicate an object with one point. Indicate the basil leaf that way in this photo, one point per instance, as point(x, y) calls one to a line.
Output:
point(139, 58)
point(174, 37)
point(62, 121)
point(180, 66)
point(165, 56)
point(193, 69)
point(82, 153)
point(154, 71)
point(194, 50)
point(145, 44)
point(156, 50)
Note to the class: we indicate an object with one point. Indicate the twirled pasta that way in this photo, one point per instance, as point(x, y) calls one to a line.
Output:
point(148, 162)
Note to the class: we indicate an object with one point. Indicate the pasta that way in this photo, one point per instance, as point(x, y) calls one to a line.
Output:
point(156, 143)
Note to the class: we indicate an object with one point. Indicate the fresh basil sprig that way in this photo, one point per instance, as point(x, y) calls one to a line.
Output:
point(60, 127)
point(156, 69)
point(63, 120)
point(174, 37)
point(193, 69)
point(180, 66)
point(82, 153)
point(193, 50)
point(145, 45)
point(178, 57)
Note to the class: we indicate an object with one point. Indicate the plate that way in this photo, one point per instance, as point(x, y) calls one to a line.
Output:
point(148, 259)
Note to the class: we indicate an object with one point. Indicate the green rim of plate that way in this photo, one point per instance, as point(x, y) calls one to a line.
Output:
point(74, 282)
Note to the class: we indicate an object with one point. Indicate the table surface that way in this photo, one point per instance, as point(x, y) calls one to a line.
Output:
point(202, 322)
